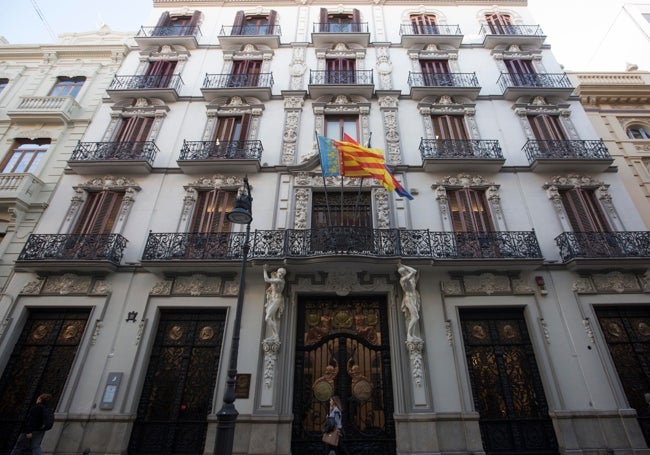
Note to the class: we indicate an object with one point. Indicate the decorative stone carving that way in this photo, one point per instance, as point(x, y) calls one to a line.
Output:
point(274, 302)
point(109, 183)
point(96, 332)
point(574, 181)
point(382, 207)
point(441, 197)
point(33, 287)
point(342, 282)
point(645, 281)
point(487, 283)
point(415, 346)
point(197, 284)
point(449, 333)
point(544, 327)
point(217, 181)
point(452, 287)
point(302, 201)
point(583, 285)
point(101, 287)
point(138, 336)
point(67, 284)
point(411, 301)
point(162, 288)
point(616, 282)
point(590, 333)
point(271, 347)
point(465, 181)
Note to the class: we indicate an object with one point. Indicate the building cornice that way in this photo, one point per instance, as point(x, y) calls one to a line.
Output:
point(612, 87)
point(194, 3)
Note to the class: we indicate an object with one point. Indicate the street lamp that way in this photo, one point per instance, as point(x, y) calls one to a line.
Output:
point(227, 415)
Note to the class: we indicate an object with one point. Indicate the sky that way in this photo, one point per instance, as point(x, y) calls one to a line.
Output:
point(576, 35)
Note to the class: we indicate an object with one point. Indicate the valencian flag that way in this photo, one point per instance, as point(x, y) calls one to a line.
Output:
point(349, 158)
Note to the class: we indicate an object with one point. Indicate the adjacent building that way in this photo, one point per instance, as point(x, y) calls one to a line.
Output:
point(504, 309)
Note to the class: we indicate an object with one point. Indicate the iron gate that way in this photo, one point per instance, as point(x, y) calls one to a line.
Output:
point(343, 349)
point(39, 363)
point(627, 333)
point(506, 385)
point(178, 389)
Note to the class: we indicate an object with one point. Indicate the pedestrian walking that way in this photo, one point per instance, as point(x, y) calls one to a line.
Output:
point(39, 419)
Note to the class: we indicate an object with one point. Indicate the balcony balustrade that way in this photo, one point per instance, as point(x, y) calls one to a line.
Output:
point(232, 37)
point(47, 109)
point(352, 82)
point(183, 35)
point(165, 87)
point(167, 250)
point(325, 34)
point(564, 155)
point(82, 252)
point(220, 156)
point(19, 189)
point(437, 84)
point(607, 249)
point(515, 85)
point(413, 34)
point(443, 155)
point(258, 85)
point(132, 157)
point(494, 35)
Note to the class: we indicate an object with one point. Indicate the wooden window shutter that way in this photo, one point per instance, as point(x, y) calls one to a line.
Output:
point(99, 213)
point(239, 23)
point(210, 211)
point(273, 16)
point(164, 19)
point(450, 127)
point(196, 17)
point(584, 211)
point(356, 20)
point(469, 211)
point(546, 127)
point(134, 129)
point(323, 20)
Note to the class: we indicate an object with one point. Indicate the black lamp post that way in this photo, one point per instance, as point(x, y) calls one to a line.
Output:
point(227, 415)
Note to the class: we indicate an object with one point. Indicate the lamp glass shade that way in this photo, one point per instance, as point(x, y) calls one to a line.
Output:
point(239, 215)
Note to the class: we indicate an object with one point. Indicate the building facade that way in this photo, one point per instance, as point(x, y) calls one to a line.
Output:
point(504, 309)
point(48, 95)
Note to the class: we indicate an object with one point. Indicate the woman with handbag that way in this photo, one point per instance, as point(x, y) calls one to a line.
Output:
point(334, 438)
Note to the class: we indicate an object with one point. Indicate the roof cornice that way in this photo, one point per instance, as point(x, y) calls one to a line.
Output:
point(194, 3)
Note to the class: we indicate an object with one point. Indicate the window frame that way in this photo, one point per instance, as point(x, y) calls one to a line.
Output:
point(640, 130)
point(39, 146)
point(67, 86)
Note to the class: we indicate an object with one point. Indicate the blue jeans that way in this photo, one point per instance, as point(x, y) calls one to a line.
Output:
point(33, 443)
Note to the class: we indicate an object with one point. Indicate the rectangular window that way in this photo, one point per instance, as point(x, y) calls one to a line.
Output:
point(210, 211)
point(341, 71)
point(25, 156)
point(546, 127)
point(336, 209)
point(159, 74)
point(134, 129)
point(340, 23)
point(177, 25)
point(337, 126)
point(584, 210)
point(469, 211)
point(449, 127)
point(424, 24)
point(67, 86)
point(3, 83)
point(436, 73)
point(499, 24)
point(99, 213)
point(245, 73)
point(254, 24)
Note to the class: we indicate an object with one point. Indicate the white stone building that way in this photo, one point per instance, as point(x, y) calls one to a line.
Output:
point(523, 330)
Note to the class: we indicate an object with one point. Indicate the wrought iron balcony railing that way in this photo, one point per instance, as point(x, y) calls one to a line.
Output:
point(532, 80)
point(519, 30)
point(146, 81)
point(462, 149)
point(556, 149)
point(74, 247)
point(343, 241)
point(600, 245)
point(115, 151)
point(415, 29)
point(169, 30)
point(221, 150)
point(213, 81)
point(249, 30)
point(340, 77)
point(443, 80)
point(334, 27)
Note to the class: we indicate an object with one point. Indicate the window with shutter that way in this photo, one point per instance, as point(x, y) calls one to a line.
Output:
point(210, 211)
point(340, 23)
point(341, 71)
point(499, 23)
point(134, 129)
point(449, 127)
point(231, 136)
point(336, 209)
point(159, 74)
point(25, 156)
point(469, 210)
point(337, 126)
point(245, 73)
point(424, 24)
point(99, 213)
point(584, 210)
point(254, 24)
point(546, 127)
point(436, 73)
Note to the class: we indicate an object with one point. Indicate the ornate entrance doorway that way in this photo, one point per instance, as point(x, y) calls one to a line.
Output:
point(627, 333)
point(178, 389)
point(343, 349)
point(506, 385)
point(39, 363)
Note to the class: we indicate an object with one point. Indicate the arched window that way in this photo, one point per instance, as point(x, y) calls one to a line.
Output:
point(638, 132)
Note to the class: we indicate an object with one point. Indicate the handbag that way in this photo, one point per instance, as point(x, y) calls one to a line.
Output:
point(331, 438)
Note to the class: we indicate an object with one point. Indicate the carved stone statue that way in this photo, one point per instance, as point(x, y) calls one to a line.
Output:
point(410, 300)
point(274, 304)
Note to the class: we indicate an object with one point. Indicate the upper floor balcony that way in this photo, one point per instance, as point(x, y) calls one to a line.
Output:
point(528, 35)
point(130, 157)
point(164, 86)
point(258, 85)
point(438, 84)
point(19, 189)
point(566, 155)
point(444, 155)
point(515, 85)
point(326, 34)
point(605, 250)
point(422, 34)
point(349, 82)
point(84, 253)
point(198, 157)
point(175, 252)
point(45, 109)
point(181, 35)
point(234, 37)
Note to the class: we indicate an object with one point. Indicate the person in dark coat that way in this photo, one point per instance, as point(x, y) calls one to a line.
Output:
point(34, 427)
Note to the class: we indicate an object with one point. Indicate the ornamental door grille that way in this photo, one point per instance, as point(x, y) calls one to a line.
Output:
point(627, 333)
point(39, 363)
point(178, 389)
point(506, 384)
point(342, 349)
